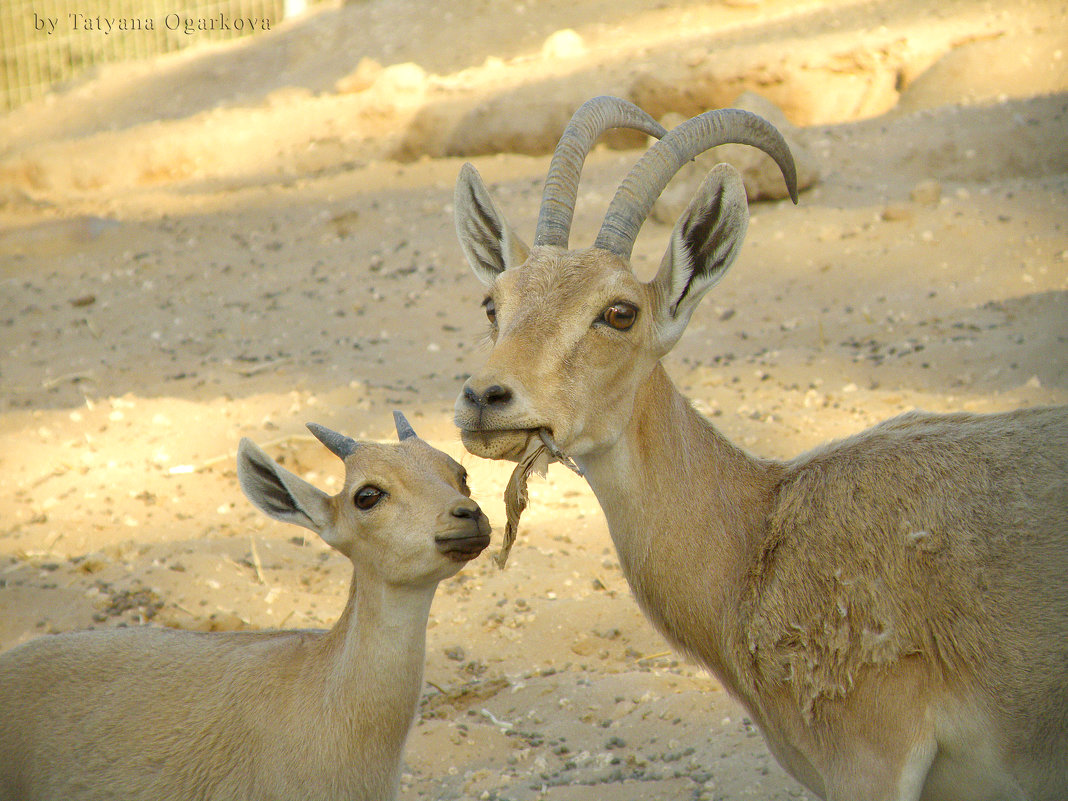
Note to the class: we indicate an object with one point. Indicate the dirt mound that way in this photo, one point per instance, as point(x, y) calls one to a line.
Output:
point(284, 104)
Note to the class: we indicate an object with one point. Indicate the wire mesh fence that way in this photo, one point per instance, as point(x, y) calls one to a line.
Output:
point(47, 42)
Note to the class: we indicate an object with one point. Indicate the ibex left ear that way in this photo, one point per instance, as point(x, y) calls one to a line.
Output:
point(704, 244)
point(281, 494)
point(488, 242)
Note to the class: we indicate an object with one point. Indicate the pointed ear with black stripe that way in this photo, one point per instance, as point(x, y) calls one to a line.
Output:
point(282, 495)
point(488, 242)
point(704, 244)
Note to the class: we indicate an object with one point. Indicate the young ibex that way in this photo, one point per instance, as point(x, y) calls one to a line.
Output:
point(891, 609)
point(152, 714)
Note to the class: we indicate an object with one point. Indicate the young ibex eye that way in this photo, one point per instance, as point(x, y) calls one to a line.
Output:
point(491, 310)
point(367, 496)
point(620, 316)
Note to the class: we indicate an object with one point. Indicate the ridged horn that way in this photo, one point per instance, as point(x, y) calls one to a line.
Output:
point(338, 444)
point(636, 195)
point(592, 119)
point(404, 428)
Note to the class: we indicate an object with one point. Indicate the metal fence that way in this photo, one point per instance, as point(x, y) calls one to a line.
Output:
point(46, 42)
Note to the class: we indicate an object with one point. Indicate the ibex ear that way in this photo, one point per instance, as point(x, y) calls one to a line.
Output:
point(281, 494)
point(704, 244)
point(487, 240)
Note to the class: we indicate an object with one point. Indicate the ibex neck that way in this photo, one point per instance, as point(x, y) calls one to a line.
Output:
point(686, 510)
point(374, 668)
point(383, 636)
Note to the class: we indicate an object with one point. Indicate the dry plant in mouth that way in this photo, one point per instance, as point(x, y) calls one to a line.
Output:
point(535, 459)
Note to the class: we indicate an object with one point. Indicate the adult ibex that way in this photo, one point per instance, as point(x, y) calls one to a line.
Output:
point(891, 609)
point(149, 714)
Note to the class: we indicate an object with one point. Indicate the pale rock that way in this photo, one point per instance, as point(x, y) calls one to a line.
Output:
point(361, 79)
point(563, 44)
point(926, 193)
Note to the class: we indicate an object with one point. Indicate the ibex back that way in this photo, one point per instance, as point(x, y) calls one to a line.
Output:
point(891, 609)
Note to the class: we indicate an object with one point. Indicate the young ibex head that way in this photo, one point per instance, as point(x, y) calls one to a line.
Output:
point(404, 513)
point(575, 332)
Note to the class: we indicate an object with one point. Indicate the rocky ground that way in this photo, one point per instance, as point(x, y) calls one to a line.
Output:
point(230, 242)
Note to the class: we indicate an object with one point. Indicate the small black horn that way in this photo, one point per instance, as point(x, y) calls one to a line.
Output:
point(404, 428)
point(338, 444)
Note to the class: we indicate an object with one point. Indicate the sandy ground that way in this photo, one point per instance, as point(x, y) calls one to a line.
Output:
point(232, 242)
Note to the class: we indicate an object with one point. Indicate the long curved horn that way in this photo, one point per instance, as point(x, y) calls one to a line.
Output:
point(592, 119)
point(339, 445)
point(647, 179)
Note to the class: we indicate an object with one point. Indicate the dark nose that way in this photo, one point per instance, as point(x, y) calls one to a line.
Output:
point(466, 510)
point(494, 395)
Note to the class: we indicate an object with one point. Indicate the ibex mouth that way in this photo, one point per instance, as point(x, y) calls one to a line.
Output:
point(507, 443)
point(463, 547)
point(511, 443)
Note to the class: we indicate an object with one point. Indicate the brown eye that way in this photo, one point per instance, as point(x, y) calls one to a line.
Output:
point(367, 496)
point(491, 310)
point(620, 316)
point(464, 488)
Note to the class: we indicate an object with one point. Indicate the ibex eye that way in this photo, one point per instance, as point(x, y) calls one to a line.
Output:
point(620, 316)
point(367, 496)
point(491, 310)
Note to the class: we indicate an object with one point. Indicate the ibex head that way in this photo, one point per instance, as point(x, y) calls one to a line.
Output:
point(405, 511)
point(575, 332)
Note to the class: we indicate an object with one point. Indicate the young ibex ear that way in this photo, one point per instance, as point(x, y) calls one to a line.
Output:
point(280, 494)
point(704, 244)
point(488, 242)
